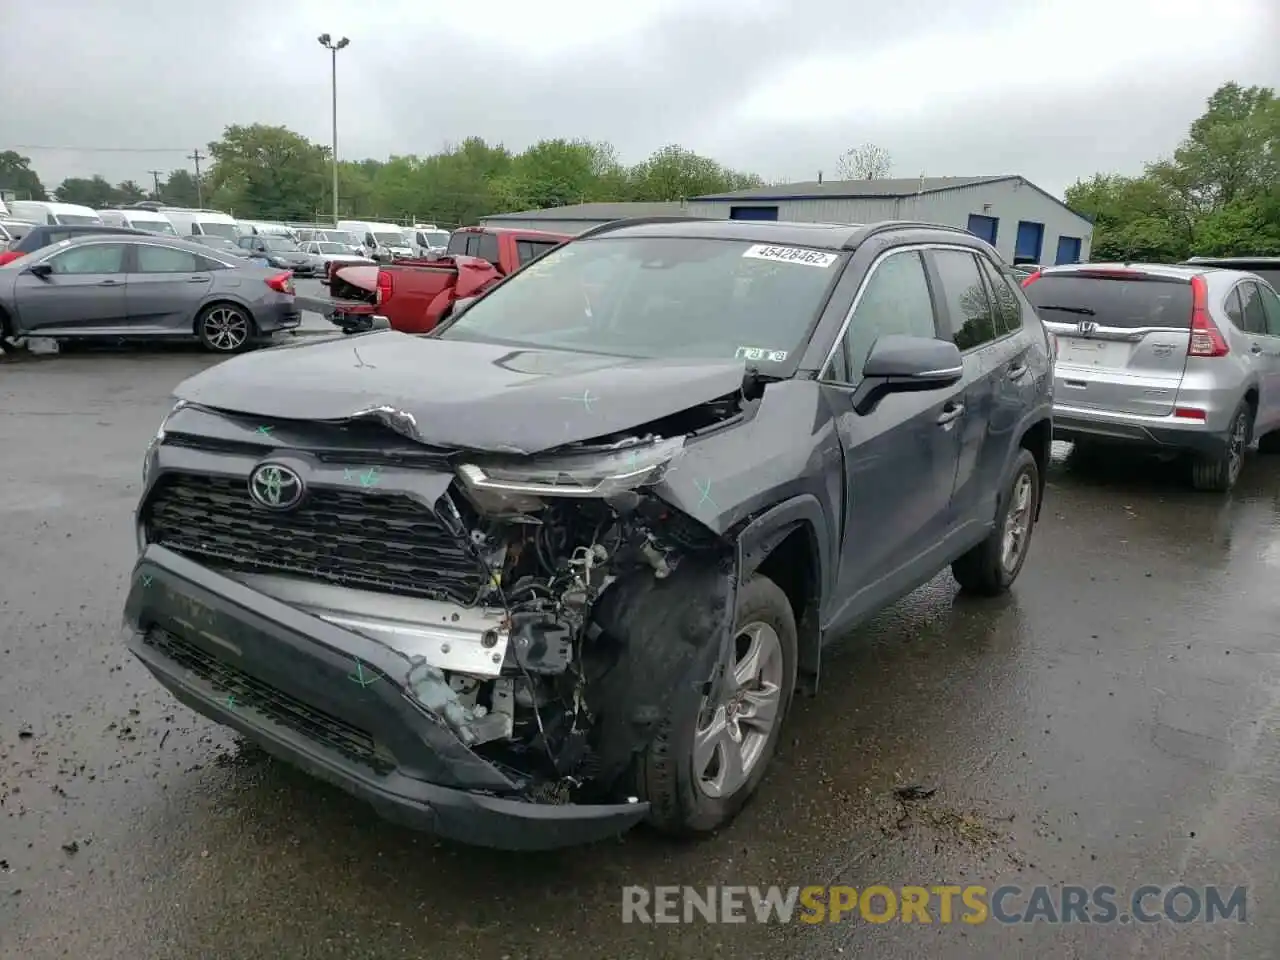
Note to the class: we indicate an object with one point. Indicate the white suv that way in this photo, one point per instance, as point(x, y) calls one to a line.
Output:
point(1175, 358)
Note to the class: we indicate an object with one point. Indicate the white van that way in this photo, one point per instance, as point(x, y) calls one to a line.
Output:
point(203, 223)
point(382, 241)
point(49, 213)
point(152, 221)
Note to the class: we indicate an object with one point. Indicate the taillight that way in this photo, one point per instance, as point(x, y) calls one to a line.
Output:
point(281, 283)
point(385, 287)
point(1030, 280)
point(1206, 338)
point(8, 256)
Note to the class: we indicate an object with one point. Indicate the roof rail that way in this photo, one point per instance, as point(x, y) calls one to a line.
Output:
point(636, 222)
point(884, 226)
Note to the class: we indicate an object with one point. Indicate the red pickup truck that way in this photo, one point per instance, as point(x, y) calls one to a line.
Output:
point(415, 295)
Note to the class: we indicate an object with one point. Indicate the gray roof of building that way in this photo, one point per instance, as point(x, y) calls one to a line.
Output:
point(854, 189)
point(595, 212)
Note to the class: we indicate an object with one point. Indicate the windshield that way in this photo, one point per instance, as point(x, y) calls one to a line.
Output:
point(73, 218)
point(331, 248)
point(219, 243)
point(1124, 300)
point(156, 226)
point(279, 244)
point(436, 238)
point(341, 236)
point(228, 230)
point(389, 239)
point(670, 297)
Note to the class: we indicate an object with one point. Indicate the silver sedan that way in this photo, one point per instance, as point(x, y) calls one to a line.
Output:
point(145, 287)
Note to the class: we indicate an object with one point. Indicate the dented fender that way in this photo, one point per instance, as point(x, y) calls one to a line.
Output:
point(658, 637)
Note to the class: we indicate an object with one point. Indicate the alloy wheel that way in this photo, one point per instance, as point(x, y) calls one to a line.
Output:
point(1017, 523)
point(226, 328)
point(731, 735)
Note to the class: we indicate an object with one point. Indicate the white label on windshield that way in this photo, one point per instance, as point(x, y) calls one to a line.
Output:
point(810, 258)
point(759, 353)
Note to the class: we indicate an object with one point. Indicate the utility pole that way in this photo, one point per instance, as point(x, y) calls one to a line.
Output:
point(155, 175)
point(328, 43)
point(197, 156)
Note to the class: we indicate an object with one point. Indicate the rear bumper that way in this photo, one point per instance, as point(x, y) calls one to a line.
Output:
point(278, 314)
point(334, 703)
point(1158, 433)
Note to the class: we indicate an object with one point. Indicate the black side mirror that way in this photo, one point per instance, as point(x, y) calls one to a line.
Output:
point(900, 364)
point(41, 270)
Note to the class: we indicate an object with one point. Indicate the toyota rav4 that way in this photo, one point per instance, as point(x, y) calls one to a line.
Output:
point(557, 567)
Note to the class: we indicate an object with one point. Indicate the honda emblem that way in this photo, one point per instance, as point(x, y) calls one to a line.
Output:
point(1087, 328)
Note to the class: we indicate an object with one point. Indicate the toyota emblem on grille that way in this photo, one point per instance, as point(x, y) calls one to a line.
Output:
point(276, 487)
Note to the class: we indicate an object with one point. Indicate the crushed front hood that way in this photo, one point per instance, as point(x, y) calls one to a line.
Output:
point(460, 395)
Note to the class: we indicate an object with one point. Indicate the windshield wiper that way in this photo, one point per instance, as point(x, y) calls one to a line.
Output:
point(1084, 311)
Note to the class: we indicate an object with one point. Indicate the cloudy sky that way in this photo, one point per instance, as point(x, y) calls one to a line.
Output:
point(1050, 89)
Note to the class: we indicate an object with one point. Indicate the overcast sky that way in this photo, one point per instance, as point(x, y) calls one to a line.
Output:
point(1050, 89)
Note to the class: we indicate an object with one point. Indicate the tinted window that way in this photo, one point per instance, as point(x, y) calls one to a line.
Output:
point(1235, 308)
point(488, 248)
point(658, 297)
point(153, 259)
point(1269, 274)
point(1008, 311)
point(1255, 316)
point(74, 218)
point(972, 323)
point(1271, 305)
point(457, 244)
point(527, 250)
point(1125, 301)
point(94, 258)
point(894, 300)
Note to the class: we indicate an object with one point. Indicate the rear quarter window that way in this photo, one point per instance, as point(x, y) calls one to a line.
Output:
point(1141, 301)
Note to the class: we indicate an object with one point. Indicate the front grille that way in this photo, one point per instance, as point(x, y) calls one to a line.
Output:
point(239, 690)
point(375, 541)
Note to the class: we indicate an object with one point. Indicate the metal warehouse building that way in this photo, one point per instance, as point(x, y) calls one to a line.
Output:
point(581, 216)
point(1023, 222)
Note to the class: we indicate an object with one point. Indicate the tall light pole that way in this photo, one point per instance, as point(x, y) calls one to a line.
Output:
point(327, 42)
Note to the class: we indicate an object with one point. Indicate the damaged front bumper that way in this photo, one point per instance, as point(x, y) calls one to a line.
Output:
point(344, 698)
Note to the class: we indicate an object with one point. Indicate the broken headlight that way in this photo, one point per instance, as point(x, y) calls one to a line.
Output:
point(148, 458)
point(595, 474)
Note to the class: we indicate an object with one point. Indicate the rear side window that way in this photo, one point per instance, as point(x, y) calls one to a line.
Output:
point(488, 248)
point(1129, 300)
point(527, 250)
point(1271, 305)
point(1007, 311)
point(972, 320)
point(1255, 316)
point(457, 244)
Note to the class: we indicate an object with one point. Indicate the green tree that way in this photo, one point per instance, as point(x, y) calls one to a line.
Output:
point(16, 175)
point(674, 173)
point(127, 191)
point(179, 190)
point(93, 191)
point(267, 172)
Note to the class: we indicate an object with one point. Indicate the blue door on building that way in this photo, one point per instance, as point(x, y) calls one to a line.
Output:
point(1068, 250)
point(753, 213)
point(1030, 242)
point(985, 227)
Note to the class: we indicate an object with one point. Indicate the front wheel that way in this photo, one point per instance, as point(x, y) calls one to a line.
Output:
point(991, 567)
point(223, 328)
point(709, 757)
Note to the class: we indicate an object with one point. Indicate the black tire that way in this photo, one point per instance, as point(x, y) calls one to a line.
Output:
point(665, 773)
point(1219, 473)
point(983, 569)
point(1269, 443)
point(216, 320)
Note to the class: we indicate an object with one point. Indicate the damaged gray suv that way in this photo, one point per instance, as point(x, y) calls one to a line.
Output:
point(557, 567)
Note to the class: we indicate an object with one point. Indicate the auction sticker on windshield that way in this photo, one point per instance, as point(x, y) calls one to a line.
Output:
point(809, 258)
point(759, 353)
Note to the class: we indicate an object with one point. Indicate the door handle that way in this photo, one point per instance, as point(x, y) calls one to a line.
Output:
point(1017, 371)
point(197, 279)
point(108, 283)
point(951, 412)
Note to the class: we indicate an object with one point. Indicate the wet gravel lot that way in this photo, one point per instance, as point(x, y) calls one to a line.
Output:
point(1112, 721)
